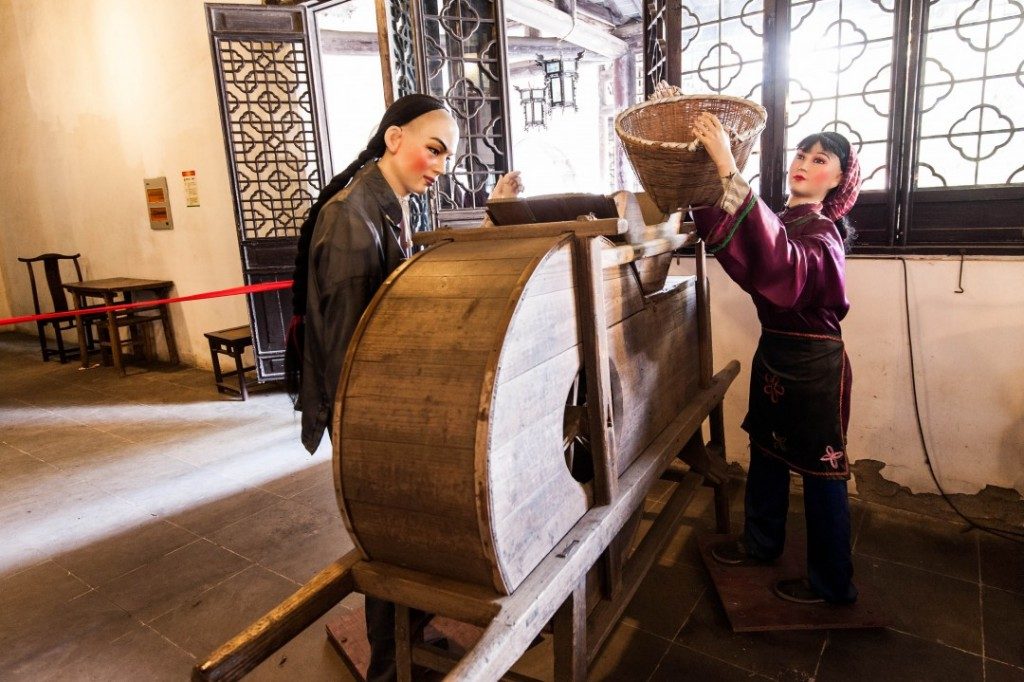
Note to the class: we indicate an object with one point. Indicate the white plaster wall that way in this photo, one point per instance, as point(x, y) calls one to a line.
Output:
point(96, 96)
point(969, 354)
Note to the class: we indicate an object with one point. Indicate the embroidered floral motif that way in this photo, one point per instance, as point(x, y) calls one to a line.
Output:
point(773, 387)
point(832, 457)
point(780, 442)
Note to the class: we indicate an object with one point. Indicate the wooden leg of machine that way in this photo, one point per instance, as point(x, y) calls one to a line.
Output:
point(403, 644)
point(571, 637)
point(717, 450)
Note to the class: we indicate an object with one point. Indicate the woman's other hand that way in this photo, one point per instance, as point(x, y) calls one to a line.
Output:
point(710, 132)
point(509, 186)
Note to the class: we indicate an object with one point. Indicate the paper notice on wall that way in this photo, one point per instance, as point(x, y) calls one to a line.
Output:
point(191, 188)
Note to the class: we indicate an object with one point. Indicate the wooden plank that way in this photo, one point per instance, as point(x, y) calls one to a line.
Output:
point(415, 329)
point(426, 288)
point(444, 661)
point(606, 615)
point(627, 253)
point(387, 531)
point(571, 636)
point(596, 362)
point(422, 476)
point(520, 402)
point(751, 605)
point(404, 420)
point(463, 601)
point(589, 228)
point(522, 247)
point(514, 211)
point(515, 460)
point(550, 208)
point(268, 634)
point(704, 317)
point(652, 394)
point(524, 613)
point(544, 328)
point(441, 267)
point(519, 553)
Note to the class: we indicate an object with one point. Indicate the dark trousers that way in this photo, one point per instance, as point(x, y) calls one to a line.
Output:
point(827, 508)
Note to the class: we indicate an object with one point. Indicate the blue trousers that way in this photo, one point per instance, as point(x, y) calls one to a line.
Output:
point(827, 508)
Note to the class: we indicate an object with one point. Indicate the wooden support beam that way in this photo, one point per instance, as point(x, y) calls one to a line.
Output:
point(403, 644)
point(593, 331)
point(583, 228)
point(443, 661)
point(606, 615)
point(261, 639)
point(571, 637)
point(544, 17)
point(717, 444)
point(461, 601)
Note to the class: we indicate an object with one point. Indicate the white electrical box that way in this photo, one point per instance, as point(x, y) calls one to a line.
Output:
point(158, 203)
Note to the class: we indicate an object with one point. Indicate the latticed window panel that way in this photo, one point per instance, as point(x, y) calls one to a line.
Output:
point(463, 67)
point(840, 68)
point(271, 134)
point(655, 64)
point(403, 68)
point(723, 53)
point(403, 57)
point(971, 129)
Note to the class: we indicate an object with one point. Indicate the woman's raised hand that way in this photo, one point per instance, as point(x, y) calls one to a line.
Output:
point(710, 132)
point(509, 186)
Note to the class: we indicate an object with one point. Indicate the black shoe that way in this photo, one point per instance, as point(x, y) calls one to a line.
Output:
point(798, 591)
point(734, 553)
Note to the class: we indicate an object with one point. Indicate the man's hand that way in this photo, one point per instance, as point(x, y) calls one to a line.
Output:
point(509, 186)
point(709, 132)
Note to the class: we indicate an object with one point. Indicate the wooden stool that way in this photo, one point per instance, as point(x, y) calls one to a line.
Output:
point(231, 342)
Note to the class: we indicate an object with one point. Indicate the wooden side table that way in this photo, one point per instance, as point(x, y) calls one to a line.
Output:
point(112, 289)
point(232, 343)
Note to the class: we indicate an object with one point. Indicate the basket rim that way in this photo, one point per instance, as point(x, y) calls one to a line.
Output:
point(623, 135)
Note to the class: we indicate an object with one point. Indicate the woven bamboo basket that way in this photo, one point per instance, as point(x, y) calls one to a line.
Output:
point(673, 168)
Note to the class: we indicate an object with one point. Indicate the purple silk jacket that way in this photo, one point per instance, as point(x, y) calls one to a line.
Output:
point(793, 264)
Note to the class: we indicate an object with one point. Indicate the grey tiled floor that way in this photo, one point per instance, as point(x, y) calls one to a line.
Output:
point(146, 519)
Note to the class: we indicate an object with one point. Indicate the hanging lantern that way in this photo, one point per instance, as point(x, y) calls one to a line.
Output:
point(560, 80)
point(535, 106)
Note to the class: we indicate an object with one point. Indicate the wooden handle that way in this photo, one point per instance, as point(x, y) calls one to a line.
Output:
point(260, 640)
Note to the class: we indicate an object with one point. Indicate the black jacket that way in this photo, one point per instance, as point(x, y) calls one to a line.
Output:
point(355, 246)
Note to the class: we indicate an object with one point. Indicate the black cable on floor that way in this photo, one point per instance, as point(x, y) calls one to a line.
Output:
point(1013, 536)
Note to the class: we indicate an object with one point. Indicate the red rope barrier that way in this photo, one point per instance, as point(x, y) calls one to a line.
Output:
point(233, 291)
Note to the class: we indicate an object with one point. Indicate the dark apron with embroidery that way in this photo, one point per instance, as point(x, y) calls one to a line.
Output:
point(796, 402)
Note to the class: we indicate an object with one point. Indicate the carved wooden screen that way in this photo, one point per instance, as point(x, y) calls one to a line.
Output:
point(400, 69)
point(461, 59)
point(265, 67)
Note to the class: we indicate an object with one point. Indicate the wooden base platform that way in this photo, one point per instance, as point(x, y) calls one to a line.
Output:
point(746, 593)
point(347, 634)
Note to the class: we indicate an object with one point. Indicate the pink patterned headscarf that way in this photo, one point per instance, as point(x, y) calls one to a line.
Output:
point(840, 200)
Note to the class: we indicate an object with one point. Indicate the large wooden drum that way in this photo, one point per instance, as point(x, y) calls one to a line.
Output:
point(459, 406)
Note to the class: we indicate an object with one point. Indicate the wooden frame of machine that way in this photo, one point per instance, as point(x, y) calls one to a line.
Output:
point(462, 501)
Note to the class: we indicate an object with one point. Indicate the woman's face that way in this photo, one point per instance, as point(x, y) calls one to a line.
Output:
point(813, 173)
point(419, 150)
